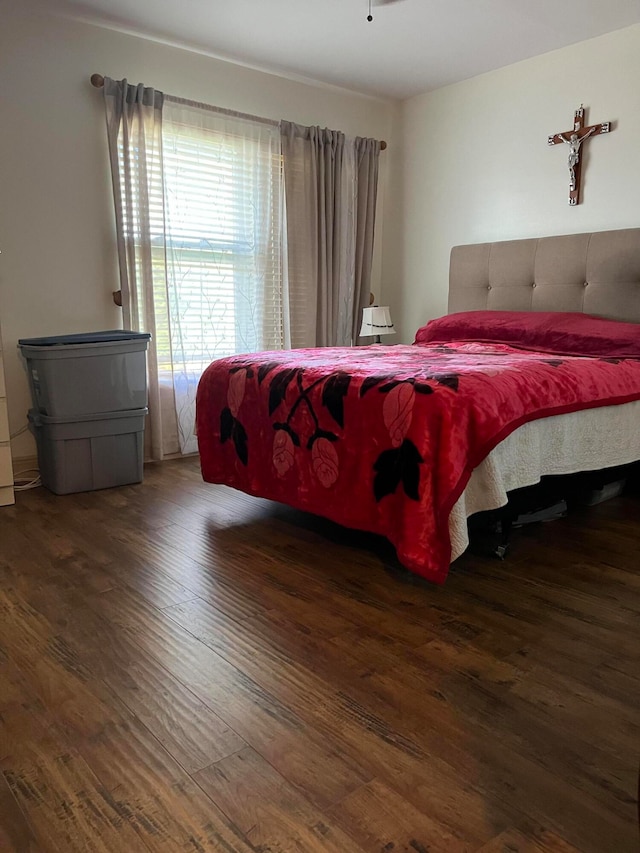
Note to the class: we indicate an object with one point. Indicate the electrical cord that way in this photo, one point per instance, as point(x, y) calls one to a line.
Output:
point(19, 431)
point(21, 483)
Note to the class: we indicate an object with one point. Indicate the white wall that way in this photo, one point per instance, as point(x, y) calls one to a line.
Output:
point(58, 264)
point(476, 165)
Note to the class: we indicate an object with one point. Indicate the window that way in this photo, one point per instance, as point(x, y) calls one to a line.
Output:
point(203, 223)
point(219, 248)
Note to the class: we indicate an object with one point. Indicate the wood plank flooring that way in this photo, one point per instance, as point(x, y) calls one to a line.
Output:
point(184, 668)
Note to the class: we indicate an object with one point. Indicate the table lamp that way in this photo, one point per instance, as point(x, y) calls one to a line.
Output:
point(376, 321)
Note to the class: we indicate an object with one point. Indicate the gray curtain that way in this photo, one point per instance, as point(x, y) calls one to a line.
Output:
point(312, 163)
point(367, 156)
point(134, 131)
point(330, 194)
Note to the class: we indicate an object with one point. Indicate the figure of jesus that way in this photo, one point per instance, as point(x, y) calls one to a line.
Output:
point(574, 142)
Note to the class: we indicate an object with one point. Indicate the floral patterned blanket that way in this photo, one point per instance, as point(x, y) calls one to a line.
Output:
point(384, 438)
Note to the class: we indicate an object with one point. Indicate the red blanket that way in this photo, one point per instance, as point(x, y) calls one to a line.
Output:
point(384, 438)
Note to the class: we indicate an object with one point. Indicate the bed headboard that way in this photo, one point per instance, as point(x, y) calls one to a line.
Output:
point(597, 273)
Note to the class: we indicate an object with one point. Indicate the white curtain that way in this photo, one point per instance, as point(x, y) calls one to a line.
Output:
point(222, 193)
point(198, 194)
point(134, 133)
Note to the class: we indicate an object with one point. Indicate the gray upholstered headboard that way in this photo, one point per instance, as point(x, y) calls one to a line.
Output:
point(597, 273)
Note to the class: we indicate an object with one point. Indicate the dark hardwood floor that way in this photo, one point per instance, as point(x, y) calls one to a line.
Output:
point(184, 668)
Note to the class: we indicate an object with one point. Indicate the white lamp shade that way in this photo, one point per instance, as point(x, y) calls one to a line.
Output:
point(376, 320)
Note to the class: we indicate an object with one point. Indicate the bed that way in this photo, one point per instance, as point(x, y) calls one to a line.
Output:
point(408, 441)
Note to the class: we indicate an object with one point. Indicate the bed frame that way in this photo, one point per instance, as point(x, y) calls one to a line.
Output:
point(595, 273)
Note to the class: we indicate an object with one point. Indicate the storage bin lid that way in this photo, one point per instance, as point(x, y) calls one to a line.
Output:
point(37, 419)
point(114, 335)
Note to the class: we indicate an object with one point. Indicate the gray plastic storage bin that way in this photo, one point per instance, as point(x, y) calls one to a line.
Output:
point(75, 375)
point(91, 452)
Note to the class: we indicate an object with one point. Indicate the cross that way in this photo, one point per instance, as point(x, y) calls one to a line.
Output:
point(574, 139)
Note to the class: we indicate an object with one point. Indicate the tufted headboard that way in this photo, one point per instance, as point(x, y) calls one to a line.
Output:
point(597, 273)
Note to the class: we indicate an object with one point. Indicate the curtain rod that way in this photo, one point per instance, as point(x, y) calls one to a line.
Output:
point(97, 80)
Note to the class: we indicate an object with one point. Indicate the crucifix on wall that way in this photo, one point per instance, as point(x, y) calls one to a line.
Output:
point(574, 139)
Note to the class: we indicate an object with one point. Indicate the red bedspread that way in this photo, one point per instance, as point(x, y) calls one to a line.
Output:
point(384, 438)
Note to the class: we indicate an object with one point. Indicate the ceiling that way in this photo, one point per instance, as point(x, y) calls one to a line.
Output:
point(411, 46)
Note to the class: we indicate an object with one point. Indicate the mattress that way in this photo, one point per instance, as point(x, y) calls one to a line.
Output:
point(586, 440)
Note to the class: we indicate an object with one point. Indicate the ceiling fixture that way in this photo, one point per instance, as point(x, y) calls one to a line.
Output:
point(378, 3)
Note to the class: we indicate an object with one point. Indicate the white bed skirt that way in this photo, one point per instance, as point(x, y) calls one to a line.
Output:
point(587, 440)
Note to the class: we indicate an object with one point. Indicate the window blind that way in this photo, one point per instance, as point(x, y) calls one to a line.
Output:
point(222, 246)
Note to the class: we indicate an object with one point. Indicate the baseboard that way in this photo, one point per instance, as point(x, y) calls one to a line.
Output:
point(171, 456)
point(24, 463)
